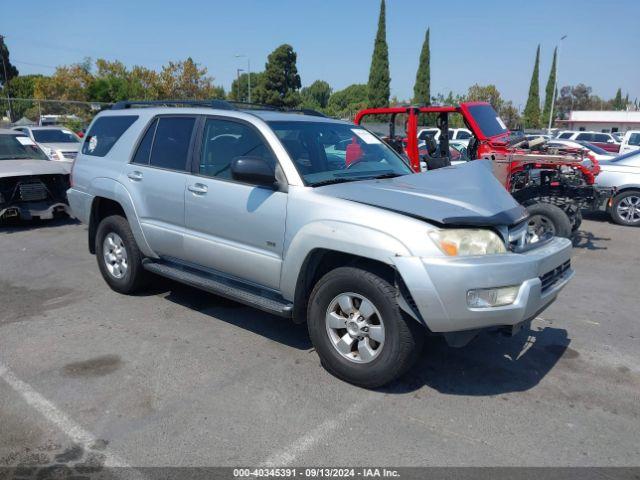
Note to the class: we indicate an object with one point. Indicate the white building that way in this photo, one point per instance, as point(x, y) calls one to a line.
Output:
point(601, 121)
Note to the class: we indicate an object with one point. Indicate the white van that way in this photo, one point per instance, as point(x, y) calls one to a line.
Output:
point(630, 141)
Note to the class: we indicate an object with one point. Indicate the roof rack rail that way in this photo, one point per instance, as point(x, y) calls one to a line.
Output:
point(219, 104)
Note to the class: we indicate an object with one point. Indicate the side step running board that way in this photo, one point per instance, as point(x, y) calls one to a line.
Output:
point(222, 287)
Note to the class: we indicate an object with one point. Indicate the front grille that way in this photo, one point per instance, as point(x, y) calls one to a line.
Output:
point(70, 155)
point(32, 191)
point(549, 279)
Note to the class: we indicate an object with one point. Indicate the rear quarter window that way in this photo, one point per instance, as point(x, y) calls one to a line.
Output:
point(105, 132)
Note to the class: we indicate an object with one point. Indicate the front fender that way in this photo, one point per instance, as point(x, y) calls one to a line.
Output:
point(114, 190)
point(337, 236)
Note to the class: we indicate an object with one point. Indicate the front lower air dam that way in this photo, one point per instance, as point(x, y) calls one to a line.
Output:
point(492, 297)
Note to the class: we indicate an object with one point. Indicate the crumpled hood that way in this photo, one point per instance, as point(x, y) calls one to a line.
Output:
point(467, 194)
point(20, 168)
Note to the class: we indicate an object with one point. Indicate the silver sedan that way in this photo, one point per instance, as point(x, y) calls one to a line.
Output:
point(623, 173)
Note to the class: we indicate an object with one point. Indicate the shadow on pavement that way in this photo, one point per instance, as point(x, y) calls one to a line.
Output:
point(491, 364)
point(589, 241)
point(275, 328)
point(15, 226)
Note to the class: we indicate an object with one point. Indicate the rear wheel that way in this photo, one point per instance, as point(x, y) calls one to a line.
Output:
point(625, 209)
point(358, 329)
point(118, 255)
point(545, 218)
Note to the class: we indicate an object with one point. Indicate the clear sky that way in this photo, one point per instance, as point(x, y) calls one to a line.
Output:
point(491, 41)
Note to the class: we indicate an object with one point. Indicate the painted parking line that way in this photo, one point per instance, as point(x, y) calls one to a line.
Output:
point(287, 456)
point(69, 427)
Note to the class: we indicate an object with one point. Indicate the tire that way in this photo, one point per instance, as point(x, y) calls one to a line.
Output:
point(544, 217)
point(577, 221)
point(115, 235)
point(625, 208)
point(386, 360)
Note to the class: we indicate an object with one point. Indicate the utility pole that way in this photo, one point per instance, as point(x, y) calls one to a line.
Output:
point(555, 87)
point(6, 80)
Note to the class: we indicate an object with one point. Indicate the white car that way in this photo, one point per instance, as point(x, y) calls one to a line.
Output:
point(630, 141)
point(461, 134)
point(591, 137)
point(589, 149)
point(623, 173)
point(58, 143)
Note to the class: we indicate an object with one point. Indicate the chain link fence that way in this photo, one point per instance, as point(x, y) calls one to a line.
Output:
point(31, 111)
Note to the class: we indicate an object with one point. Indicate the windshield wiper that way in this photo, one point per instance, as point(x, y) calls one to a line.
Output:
point(332, 181)
point(386, 175)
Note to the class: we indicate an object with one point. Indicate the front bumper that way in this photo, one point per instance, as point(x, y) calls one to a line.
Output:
point(30, 210)
point(439, 286)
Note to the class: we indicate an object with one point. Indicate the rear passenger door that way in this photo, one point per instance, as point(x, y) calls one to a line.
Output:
point(156, 179)
point(232, 227)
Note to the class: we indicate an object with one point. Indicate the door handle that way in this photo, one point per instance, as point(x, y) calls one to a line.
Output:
point(198, 188)
point(135, 175)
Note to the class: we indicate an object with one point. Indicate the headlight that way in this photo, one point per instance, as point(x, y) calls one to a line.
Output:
point(468, 241)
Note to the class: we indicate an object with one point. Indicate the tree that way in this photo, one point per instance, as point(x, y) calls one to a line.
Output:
point(379, 77)
point(532, 109)
point(5, 64)
point(422, 87)
point(281, 80)
point(316, 95)
point(618, 103)
point(344, 103)
point(23, 86)
point(241, 93)
point(186, 80)
point(485, 93)
point(550, 90)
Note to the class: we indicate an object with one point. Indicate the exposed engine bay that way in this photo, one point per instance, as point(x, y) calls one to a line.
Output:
point(33, 196)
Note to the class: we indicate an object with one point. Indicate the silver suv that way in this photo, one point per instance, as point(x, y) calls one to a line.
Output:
point(314, 219)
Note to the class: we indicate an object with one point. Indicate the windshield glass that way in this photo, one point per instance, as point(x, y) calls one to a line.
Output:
point(16, 147)
point(488, 120)
point(326, 152)
point(54, 136)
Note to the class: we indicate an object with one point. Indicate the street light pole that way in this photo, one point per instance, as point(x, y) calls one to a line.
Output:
point(555, 86)
point(238, 70)
point(241, 55)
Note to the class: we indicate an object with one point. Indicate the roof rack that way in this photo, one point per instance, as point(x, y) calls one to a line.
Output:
point(219, 104)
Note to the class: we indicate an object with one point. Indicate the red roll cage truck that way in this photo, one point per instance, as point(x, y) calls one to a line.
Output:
point(554, 185)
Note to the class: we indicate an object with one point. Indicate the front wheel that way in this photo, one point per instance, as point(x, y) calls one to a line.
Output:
point(545, 219)
point(625, 208)
point(358, 329)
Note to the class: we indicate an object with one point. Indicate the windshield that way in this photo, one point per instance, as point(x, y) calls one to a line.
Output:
point(326, 152)
point(54, 136)
point(17, 147)
point(488, 120)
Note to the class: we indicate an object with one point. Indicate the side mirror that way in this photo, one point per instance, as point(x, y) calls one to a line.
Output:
point(253, 170)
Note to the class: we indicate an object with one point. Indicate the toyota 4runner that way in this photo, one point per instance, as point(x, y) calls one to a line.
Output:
point(314, 219)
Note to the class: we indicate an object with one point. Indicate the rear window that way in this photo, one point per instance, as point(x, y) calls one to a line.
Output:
point(488, 120)
point(171, 143)
point(105, 132)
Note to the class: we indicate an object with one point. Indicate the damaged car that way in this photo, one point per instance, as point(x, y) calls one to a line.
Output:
point(312, 219)
point(31, 186)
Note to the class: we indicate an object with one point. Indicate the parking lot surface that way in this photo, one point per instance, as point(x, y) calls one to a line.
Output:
point(178, 377)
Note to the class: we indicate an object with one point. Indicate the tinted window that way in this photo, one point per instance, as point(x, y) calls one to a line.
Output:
point(105, 132)
point(634, 139)
point(488, 120)
point(144, 149)
point(587, 137)
point(565, 135)
point(223, 141)
point(599, 137)
point(462, 135)
point(55, 136)
point(171, 143)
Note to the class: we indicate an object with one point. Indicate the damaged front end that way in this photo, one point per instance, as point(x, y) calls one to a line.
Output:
point(34, 196)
